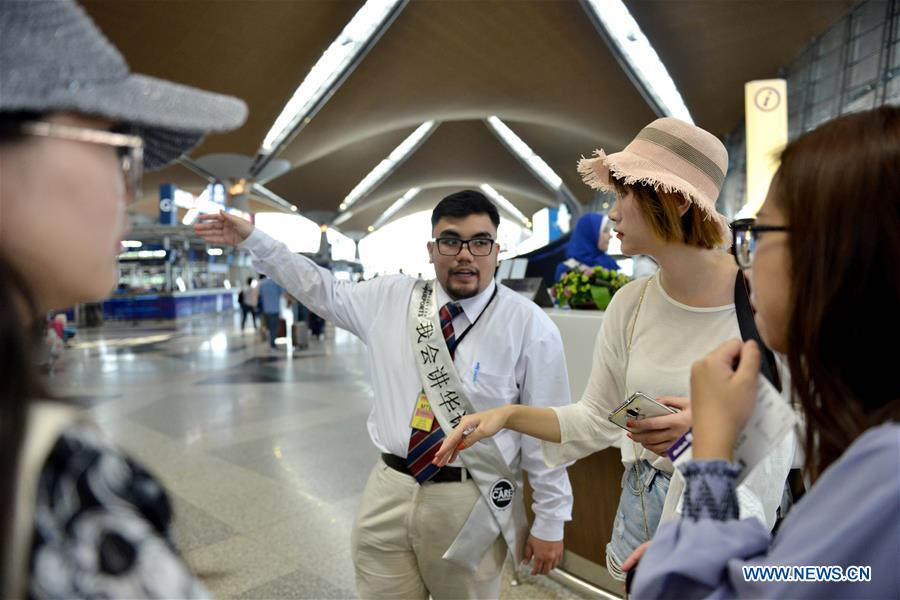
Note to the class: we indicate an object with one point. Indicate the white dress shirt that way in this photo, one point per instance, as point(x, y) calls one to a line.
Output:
point(514, 354)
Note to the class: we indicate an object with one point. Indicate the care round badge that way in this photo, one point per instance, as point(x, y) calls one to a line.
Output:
point(502, 493)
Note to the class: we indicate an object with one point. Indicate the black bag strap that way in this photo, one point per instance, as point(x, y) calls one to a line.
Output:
point(749, 332)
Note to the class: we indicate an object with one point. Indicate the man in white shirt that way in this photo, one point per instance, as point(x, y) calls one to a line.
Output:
point(504, 350)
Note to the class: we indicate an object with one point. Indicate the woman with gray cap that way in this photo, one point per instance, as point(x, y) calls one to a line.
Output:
point(77, 517)
point(666, 183)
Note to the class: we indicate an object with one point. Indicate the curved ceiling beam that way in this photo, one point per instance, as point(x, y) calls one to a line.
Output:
point(465, 153)
point(456, 185)
point(560, 147)
point(343, 55)
point(358, 133)
point(637, 57)
point(468, 155)
point(429, 195)
point(534, 163)
point(324, 183)
point(564, 100)
point(421, 69)
point(387, 166)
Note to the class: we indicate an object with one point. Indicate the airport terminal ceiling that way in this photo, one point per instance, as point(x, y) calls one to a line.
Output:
point(541, 66)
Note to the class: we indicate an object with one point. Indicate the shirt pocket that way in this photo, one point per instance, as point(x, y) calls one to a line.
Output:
point(491, 389)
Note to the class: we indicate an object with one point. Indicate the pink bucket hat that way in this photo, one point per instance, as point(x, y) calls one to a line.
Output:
point(669, 155)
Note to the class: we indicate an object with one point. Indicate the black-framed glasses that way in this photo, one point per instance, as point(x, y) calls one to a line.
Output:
point(450, 246)
point(129, 148)
point(746, 235)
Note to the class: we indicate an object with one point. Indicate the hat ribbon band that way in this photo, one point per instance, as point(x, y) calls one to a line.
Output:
point(683, 150)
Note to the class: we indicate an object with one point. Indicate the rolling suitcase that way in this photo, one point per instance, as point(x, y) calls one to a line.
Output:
point(300, 336)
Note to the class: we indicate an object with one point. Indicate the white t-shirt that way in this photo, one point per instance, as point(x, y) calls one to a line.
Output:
point(668, 338)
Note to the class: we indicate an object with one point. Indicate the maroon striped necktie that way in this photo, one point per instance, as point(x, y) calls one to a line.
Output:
point(423, 445)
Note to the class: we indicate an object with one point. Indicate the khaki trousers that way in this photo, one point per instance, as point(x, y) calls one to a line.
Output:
point(401, 531)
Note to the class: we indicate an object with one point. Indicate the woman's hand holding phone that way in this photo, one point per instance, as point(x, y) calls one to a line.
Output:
point(657, 434)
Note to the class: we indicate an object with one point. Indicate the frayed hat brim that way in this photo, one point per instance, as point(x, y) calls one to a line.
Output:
point(598, 171)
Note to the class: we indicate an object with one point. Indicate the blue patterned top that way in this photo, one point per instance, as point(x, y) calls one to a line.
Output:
point(102, 527)
point(849, 518)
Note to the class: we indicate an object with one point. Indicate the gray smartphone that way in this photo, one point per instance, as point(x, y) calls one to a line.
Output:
point(638, 406)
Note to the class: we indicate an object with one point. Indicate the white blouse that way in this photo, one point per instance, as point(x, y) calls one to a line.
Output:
point(668, 338)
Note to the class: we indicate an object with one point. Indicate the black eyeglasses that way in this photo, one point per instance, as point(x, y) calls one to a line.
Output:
point(449, 246)
point(746, 234)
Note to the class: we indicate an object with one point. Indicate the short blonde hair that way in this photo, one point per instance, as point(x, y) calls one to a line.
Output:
point(660, 210)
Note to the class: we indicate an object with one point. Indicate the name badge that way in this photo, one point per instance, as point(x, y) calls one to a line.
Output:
point(423, 417)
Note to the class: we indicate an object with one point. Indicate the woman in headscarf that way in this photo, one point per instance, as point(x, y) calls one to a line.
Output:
point(588, 245)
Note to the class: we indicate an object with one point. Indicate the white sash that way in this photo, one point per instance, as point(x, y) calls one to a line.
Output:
point(501, 508)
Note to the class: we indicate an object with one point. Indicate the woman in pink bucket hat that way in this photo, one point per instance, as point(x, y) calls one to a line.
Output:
point(666, 183)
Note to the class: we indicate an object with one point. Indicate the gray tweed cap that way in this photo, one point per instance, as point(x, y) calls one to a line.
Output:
point(53, 58)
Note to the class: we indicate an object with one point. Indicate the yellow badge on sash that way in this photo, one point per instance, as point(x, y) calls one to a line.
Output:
point(423, 417)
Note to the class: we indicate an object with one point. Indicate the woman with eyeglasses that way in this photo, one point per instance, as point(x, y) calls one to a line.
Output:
point(828, 300)
point(666, 183)
point(78, 518)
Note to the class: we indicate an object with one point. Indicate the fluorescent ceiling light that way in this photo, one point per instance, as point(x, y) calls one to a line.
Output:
point(393, 208)
point(190, 216)
point(643, 61)
point(339, 56)
point(346, 216)
point(387, 166)
point(215, 252)
point(537, 165)
point(505, 204)
point(143, 254)
point(265, 194)
point(131, 244)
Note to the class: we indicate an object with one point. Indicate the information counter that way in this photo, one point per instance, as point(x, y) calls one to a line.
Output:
point(169, 305)
point(596, 479)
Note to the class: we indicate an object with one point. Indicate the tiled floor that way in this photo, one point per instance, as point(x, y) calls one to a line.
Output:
point(265, 454)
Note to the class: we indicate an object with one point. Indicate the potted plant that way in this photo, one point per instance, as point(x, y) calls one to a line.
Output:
point(588, 287)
